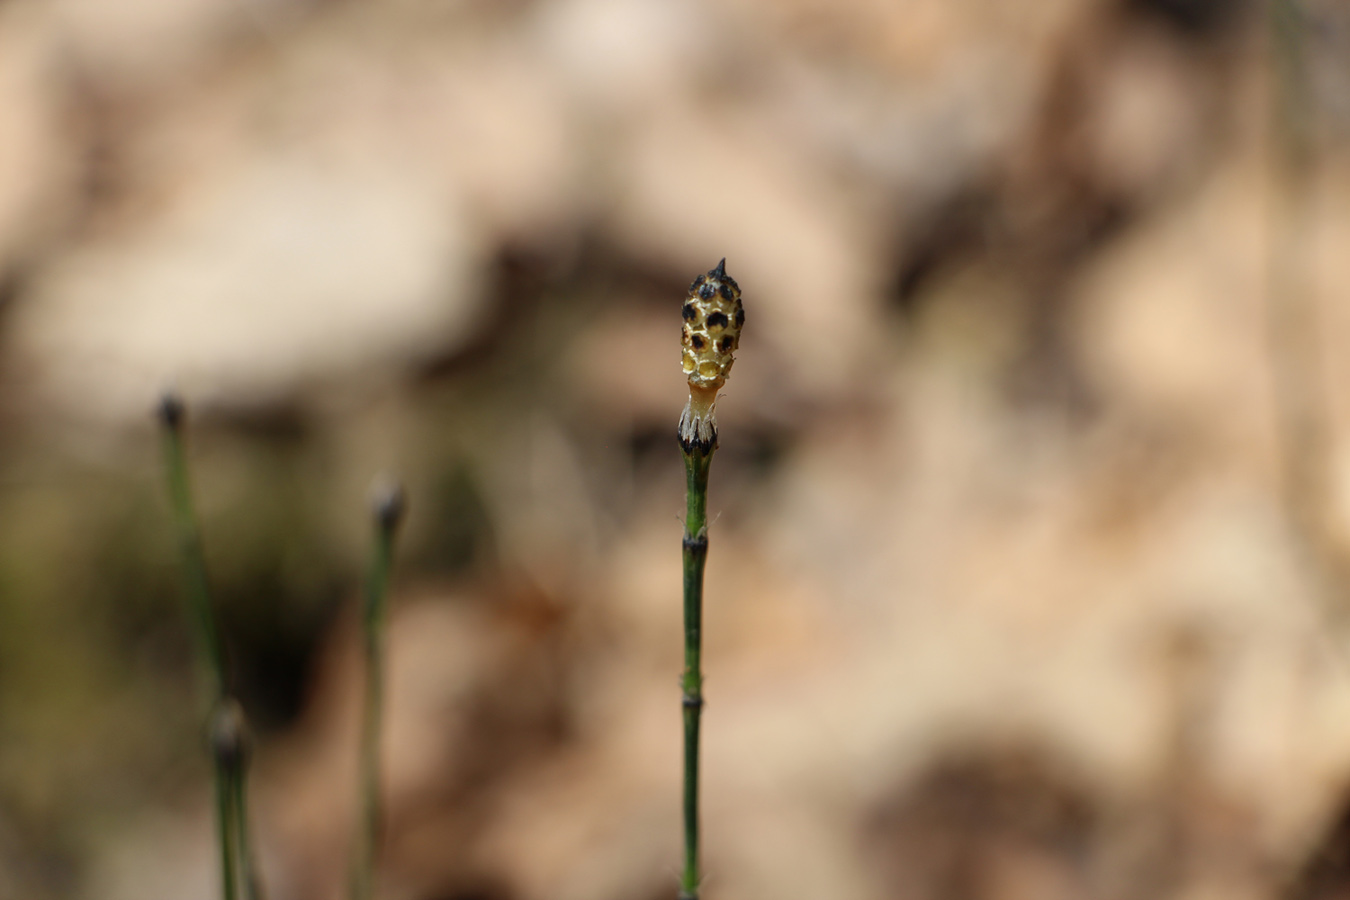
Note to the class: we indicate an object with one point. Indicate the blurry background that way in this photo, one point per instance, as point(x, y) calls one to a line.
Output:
point(1033, 505)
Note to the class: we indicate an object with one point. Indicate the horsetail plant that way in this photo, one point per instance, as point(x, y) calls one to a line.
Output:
point(226, 728)
point(387, 512)
point(232, 750)
point(712, 331)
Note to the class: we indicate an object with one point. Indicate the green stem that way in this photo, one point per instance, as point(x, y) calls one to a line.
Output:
point(231, 749)
point(190, 549)
point(211, 652)
point(697, 460)
point(225, 831)
point(248, 872)
point(388, 512)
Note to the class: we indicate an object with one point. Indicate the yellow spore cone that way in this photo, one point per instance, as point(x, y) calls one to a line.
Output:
point(713, 316)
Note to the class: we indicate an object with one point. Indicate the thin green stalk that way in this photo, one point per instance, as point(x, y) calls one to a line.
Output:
point(198, 592)
point(249, 880)
point(713, 315)
point(697, 460)
point(231, 751)
point(225, 832)
point(248, 871)
point(211, 652)
point(388, 512)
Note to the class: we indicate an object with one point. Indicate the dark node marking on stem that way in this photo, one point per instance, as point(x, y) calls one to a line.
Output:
point(718, 319)
point(689, 313)
point(230, 744)
point(696, 543)
point(388, 504)
point(697, 341)
point(170, 410)
point(740, 317)
point(692, 701)
point(694, 445)
point(707, 291)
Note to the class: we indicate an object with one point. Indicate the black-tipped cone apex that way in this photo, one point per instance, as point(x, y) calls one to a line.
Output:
point(720, 271)
point(170, 410)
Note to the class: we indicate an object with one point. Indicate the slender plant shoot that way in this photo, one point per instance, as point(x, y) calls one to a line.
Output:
point(228, 778)
point(198, 593)
point(387, 512)
point(712, 331)
point(231, 750)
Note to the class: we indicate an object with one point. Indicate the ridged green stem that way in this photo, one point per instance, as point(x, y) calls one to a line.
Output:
point(225, 832)
point(388, 511)
point(197, 591)
point(697, 460)
point(211, 652)
point(231, 749)
point(249, 879)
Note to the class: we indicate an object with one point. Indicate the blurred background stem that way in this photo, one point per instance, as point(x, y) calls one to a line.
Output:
point(225, 831)
point(387, 513)
point(226, 725)
point(197, 589)
point(1294, 321)
point(230, 751)
point(249, 881)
